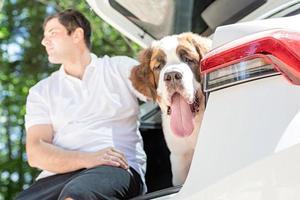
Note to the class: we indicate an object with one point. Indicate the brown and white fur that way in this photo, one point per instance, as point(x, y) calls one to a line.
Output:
point(169, 74)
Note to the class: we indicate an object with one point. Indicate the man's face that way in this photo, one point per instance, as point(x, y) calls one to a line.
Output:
point(57, 42)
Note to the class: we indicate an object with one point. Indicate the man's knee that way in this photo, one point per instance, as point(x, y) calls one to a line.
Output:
point(72, 192)
point(76, 191)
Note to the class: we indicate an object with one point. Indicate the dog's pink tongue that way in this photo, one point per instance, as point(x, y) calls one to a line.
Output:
point(181, 117)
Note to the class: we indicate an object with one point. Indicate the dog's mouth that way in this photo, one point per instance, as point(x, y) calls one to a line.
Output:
point(182, 114)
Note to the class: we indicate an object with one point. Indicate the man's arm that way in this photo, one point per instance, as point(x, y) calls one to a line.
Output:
point(43, 154)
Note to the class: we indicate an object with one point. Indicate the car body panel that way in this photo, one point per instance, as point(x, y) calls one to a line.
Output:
point(251, 119)
point(274, 178)
point(237, 149)
point(228, 33)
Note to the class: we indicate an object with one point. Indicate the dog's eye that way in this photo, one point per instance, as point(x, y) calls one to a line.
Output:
point(189, 61)
point(157, 66)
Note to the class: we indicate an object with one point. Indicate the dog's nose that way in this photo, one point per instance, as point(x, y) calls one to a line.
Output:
point(172, 76)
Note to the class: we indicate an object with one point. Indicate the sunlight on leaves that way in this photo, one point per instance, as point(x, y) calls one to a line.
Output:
point(1, 4)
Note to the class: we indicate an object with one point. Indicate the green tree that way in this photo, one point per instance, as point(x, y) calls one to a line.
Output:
point(23, 62)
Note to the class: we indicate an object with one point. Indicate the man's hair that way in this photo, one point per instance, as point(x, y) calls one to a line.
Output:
point(72, 19)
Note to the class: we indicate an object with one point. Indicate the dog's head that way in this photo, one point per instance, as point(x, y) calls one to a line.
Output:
point(169, 74)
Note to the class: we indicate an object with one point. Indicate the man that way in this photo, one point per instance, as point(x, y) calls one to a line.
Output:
point(81, 122)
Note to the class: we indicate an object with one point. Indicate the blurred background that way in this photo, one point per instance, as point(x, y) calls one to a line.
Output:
point(23, 62)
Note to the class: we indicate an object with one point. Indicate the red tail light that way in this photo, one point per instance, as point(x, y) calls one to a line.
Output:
point(263, 54)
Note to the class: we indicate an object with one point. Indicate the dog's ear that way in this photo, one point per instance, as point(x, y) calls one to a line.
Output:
point(202, 44)
point(142, 77)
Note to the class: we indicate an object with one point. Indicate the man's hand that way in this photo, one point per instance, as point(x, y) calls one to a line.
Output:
point(44, 155)
point(108, 156)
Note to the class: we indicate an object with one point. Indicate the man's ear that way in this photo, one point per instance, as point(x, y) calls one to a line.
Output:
point(78, 35)
point(142, 77)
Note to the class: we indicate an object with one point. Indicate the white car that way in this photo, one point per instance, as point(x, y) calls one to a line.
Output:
point(248, 146)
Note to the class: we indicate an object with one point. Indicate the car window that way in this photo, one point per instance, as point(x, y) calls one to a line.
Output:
point(164, 17)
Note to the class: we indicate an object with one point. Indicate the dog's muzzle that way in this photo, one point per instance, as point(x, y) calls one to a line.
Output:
point(173, 80)
point(172, 76)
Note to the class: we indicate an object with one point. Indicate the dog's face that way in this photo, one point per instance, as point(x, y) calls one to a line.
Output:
point(169, 74)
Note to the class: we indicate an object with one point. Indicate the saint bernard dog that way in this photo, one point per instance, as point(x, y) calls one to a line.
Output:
point(168, 73)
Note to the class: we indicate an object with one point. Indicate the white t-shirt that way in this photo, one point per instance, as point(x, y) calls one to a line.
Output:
point(99, 111)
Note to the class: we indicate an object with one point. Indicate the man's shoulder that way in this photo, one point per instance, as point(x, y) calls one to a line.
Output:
point(121, 64)
point(124, 60)
point(45, 82)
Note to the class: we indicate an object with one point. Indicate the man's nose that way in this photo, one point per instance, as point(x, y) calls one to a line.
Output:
point(44, 41)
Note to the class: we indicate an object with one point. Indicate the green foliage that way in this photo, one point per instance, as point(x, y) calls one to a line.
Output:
point(23, 62)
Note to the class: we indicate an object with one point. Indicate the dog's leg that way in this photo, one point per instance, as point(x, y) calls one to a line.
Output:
point(180, 167)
